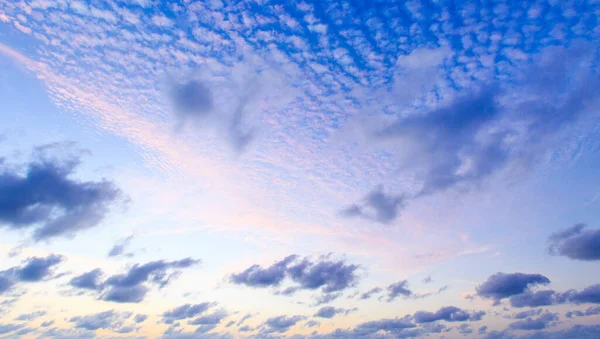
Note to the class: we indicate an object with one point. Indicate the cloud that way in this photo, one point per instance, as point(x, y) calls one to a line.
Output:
point(503, 285)
point(46, 199)
point(256, 276)
point(140, 318)
point(109, 320)
point(537, 298)
point(527, 314)
point(393, 326)
point(330, 312)
point(377, 206)
point(370, 293)
point(119, 248)
point(323, 273)
point(539, 323)
point(31, 316)
point(594, 310)
point(91, 280)
point(590, 294)
point(448, 313)
point(576, 243)
point(282, 323)
point(487, 126)
point(224, 105)
point(34, 269)
point(186, 311)
point(132, 286)
point(398, 289)
point(210, 319)
point(8, 328)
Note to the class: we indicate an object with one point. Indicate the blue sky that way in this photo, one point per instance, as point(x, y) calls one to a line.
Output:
point(200, 169)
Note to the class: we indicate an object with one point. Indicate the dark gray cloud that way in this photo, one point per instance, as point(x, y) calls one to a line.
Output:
point(503, 285)
point(576, 242)
point(393, 326)
point(109, 320)
point(312, 323)
point(377, 206)
point(527, 314)
point(46, 199)
point(91, 280)
point(482, 330)
point(489, 127)
point(448, 313)
point(47, 323)
point(590, 294)
point(323, 273)
point(194, 102)
point(539, 323)
point(537, 298)
point(399, 289)
point(119, 248)
point(31, 316)
point(140, 318)
point(210, 319)
point(34, 269)
point(256, 276)
point(464, 329)
point(186, 311)
point(192, 99)
point(326, 298)
point(594, 310)
point(282, 323)
point(132, 286)
point(330, 312)
point(370, 293)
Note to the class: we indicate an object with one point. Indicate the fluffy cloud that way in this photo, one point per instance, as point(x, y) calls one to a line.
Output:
point(378, 206)
point(109, 320)
point(31, 316)
point(539, 323)
point(370, 293)
point(132, 286)
point(323, 273)
point(281, 324)
point(398, 289)
point(503, 285)
point(119, 248)
point(46, 199)
point(34, 269)
point(140, 318)
point(486, 127)
point(594, 310)
point(576, 242)
point(590, 294)
point(448, 313)
point(330, 312)
point(91, 280)
point(186, 311)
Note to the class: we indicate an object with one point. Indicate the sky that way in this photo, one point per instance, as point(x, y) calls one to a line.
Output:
point(324, 169)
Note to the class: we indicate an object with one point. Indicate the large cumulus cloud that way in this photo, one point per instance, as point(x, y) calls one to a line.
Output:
point(48, 200)
point(132, 286)
point(34, 269)
point(576, 242)
point(503, 285)
point(324, 273)
point(485, 128)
